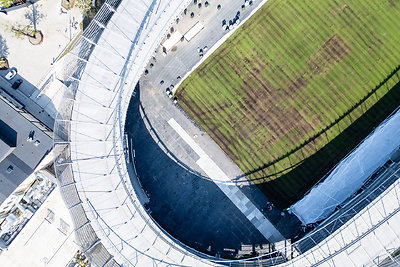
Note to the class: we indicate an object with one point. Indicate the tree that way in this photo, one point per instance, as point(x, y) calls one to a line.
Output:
point(83, 5)
point(7, 3)
point(20, 31)
point(3, 53)
point(3, 63)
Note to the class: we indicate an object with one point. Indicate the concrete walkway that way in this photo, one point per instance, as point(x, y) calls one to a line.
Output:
point(231, 191)
point(183, 200)
point(58, 27)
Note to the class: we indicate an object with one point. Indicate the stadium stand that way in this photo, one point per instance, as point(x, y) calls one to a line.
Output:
point(99, 75)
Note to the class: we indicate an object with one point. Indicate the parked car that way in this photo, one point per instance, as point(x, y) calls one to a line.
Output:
point(223, 23)
point(11, 74)
point(16, 84)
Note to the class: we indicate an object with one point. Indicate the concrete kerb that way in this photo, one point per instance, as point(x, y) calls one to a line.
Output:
point(211, 50)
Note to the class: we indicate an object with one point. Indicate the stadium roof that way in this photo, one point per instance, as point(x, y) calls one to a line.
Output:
point(350, 174)
point(100, 186)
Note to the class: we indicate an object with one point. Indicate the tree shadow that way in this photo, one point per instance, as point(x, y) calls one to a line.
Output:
point(3, 47)
point(34, 16)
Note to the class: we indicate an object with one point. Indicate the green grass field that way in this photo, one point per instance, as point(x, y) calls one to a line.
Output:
point(288, 84)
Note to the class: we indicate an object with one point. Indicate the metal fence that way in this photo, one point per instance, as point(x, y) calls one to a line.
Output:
point(73, 67)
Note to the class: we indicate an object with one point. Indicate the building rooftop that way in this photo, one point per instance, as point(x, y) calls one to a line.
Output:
point(22, 146)
point(8, 140)
point(47, 240)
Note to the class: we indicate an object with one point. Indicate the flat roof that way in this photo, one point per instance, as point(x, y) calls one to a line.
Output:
point(7, 134)
point(31, 145)
point(25, 97)
point(193, 31)
point(46, 240)
point(172, 40)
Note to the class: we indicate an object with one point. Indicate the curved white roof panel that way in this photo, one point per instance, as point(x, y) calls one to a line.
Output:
point(111, 72)
point(351, 172)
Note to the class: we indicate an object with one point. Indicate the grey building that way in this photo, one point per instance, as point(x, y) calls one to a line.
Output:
point(22, 145)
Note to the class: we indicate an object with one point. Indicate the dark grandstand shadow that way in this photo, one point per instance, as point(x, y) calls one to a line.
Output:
point(162, 144)
point(318, 165)
point(192, 209)
point(3, 48)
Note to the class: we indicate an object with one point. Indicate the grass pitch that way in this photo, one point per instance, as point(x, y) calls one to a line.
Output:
point(280, 95)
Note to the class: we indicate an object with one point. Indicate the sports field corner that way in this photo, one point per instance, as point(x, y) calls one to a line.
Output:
point(296, 88)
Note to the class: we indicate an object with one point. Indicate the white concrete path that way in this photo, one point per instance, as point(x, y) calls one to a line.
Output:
point(240, 200)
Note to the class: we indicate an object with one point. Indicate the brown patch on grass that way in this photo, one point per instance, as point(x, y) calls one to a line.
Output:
point(274, 97)
point(266, 102)
point(266, 106)
point(330, 53)
point(200, 113)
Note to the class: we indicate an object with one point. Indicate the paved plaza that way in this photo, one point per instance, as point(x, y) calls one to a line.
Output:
point(59, 27)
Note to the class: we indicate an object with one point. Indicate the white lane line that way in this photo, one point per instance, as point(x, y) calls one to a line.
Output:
point(239, 199)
